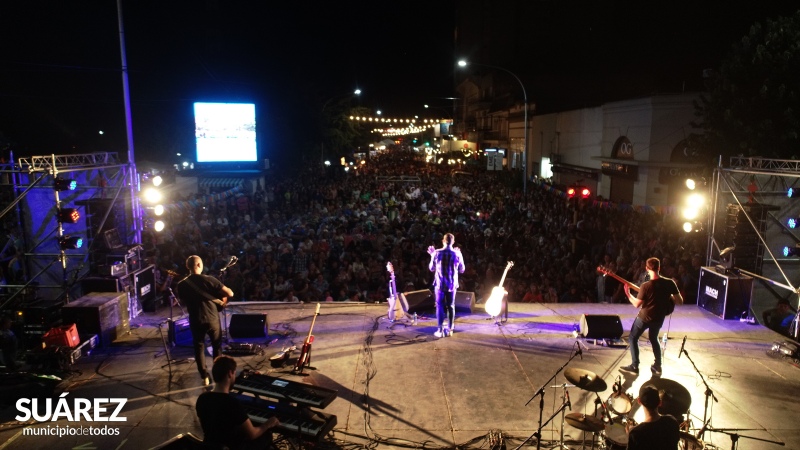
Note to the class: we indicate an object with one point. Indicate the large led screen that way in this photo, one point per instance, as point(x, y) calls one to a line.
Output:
point(225, 132)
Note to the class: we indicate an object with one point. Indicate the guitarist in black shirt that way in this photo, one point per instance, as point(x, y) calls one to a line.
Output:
point(657, 299)
point(204, 296)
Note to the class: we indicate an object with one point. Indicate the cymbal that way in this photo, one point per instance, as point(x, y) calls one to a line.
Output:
point(675, 399)
point(584, 422)
point(588, 381)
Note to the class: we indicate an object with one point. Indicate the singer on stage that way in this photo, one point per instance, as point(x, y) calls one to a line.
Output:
point(656, 298)
point(446, 263)
point(203, 296)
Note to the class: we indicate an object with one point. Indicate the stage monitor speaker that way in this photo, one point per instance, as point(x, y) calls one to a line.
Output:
point(419, 301)
point(600, 326)
point(465, 301)
point(244, 326)
point(725, 296)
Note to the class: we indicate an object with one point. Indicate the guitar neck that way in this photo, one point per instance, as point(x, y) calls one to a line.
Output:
point(622, 280)
point(313, 321)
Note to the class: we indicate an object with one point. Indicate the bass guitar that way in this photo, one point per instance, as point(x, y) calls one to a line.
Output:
point(494, 305)
point(305, 353)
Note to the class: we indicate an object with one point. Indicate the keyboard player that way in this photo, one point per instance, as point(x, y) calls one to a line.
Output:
point(225, 422)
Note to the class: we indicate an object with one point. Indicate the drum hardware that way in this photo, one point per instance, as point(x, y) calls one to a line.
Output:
point(585, 423)
point(540, 393)
point(616, 433)
point(708, 393)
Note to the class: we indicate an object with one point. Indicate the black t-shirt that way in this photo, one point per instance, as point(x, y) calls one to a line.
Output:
point(662, 434)
point(201, 309)
point(220, 416)
point(654, 294)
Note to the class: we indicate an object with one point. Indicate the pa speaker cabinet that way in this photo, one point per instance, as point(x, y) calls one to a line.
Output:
point(244, 326)
point(727, 296)
point(595, 326)
point(102, 313)
point(143, 286)
point(419, 301)
point(465, 301)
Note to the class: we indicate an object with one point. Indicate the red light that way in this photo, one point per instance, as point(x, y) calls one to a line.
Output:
point(571, 192)
point(68, 215)
point(585, 192)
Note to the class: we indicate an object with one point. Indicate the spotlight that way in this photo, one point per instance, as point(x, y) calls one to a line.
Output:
point(571, 192)
point(693, 226)
point(70, 242)
point(791, 193)
point(158, 210)
point(157, 180)
point(585, 192)
point(690, 184)
point(695, 200)
point(68, 215)
point(61, 184)
point(152, 195)
point(791, 251)
point(792, 222)
point(158, 225)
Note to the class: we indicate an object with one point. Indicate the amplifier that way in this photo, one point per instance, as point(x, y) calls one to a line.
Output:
point(725, 296)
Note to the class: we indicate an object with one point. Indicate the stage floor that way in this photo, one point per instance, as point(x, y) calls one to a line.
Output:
point(398, 386)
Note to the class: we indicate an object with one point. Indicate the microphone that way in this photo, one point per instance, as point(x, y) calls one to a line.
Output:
point(566, 396)
point(579, 352)
point(682, 345)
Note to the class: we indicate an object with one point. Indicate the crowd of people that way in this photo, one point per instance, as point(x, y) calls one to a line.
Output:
point(323, 236)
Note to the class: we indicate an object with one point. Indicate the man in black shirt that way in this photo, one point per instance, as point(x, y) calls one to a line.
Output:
point(657, 299)
point(203, 296)
point(225, 423)
point(657, 432)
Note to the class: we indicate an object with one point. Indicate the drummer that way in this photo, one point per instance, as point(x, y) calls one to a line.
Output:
point(656, 432)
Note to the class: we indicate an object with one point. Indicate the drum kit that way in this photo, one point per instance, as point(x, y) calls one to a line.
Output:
point(611, 420)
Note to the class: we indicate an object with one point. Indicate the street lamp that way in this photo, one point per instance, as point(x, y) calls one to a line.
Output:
point(464, 63)
point(325, 105)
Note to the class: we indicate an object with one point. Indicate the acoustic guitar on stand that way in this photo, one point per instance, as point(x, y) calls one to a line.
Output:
point(305, 353)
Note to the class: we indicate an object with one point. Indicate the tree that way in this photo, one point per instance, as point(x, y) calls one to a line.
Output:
point(753, 104)
point(340, 133)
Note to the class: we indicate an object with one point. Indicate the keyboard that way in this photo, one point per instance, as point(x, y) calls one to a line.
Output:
point(295, 420)
point(281, 389)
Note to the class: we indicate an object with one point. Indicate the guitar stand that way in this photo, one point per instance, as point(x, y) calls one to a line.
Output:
point(301, 372)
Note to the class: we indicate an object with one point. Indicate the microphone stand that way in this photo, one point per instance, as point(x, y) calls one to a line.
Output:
point(708, 393)
point(540, 392)
point(735, 436)
point(224, 318)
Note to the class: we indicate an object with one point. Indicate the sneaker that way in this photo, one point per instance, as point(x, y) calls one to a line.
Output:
point(438, 334)
point(446, 332)
point(630, 368)
point(656, 370)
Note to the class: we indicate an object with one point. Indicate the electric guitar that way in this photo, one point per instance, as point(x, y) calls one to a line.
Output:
point(305, 353)
point(613, 275)
point(494, 305)
point(392, 299)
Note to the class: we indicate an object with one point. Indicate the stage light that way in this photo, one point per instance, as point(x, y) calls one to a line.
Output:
point(571, 192)
point(585, 192)
point(68, 215)
point(158, 225)
point(158, 210)
point(61, 184)
point(690, 184)
point(695, 200)
point(157, 180)
point(693, 226)
point(791, 193)
point(792, 222)
point(152, 195)
point(70, 242)
point(791, 251)
point(690, 213)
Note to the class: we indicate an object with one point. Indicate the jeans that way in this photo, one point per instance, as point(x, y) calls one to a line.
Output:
point(445, 307)
point(199, 332)
point(638, 328)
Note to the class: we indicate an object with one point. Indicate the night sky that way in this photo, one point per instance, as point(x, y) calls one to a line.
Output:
point(60, 79)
